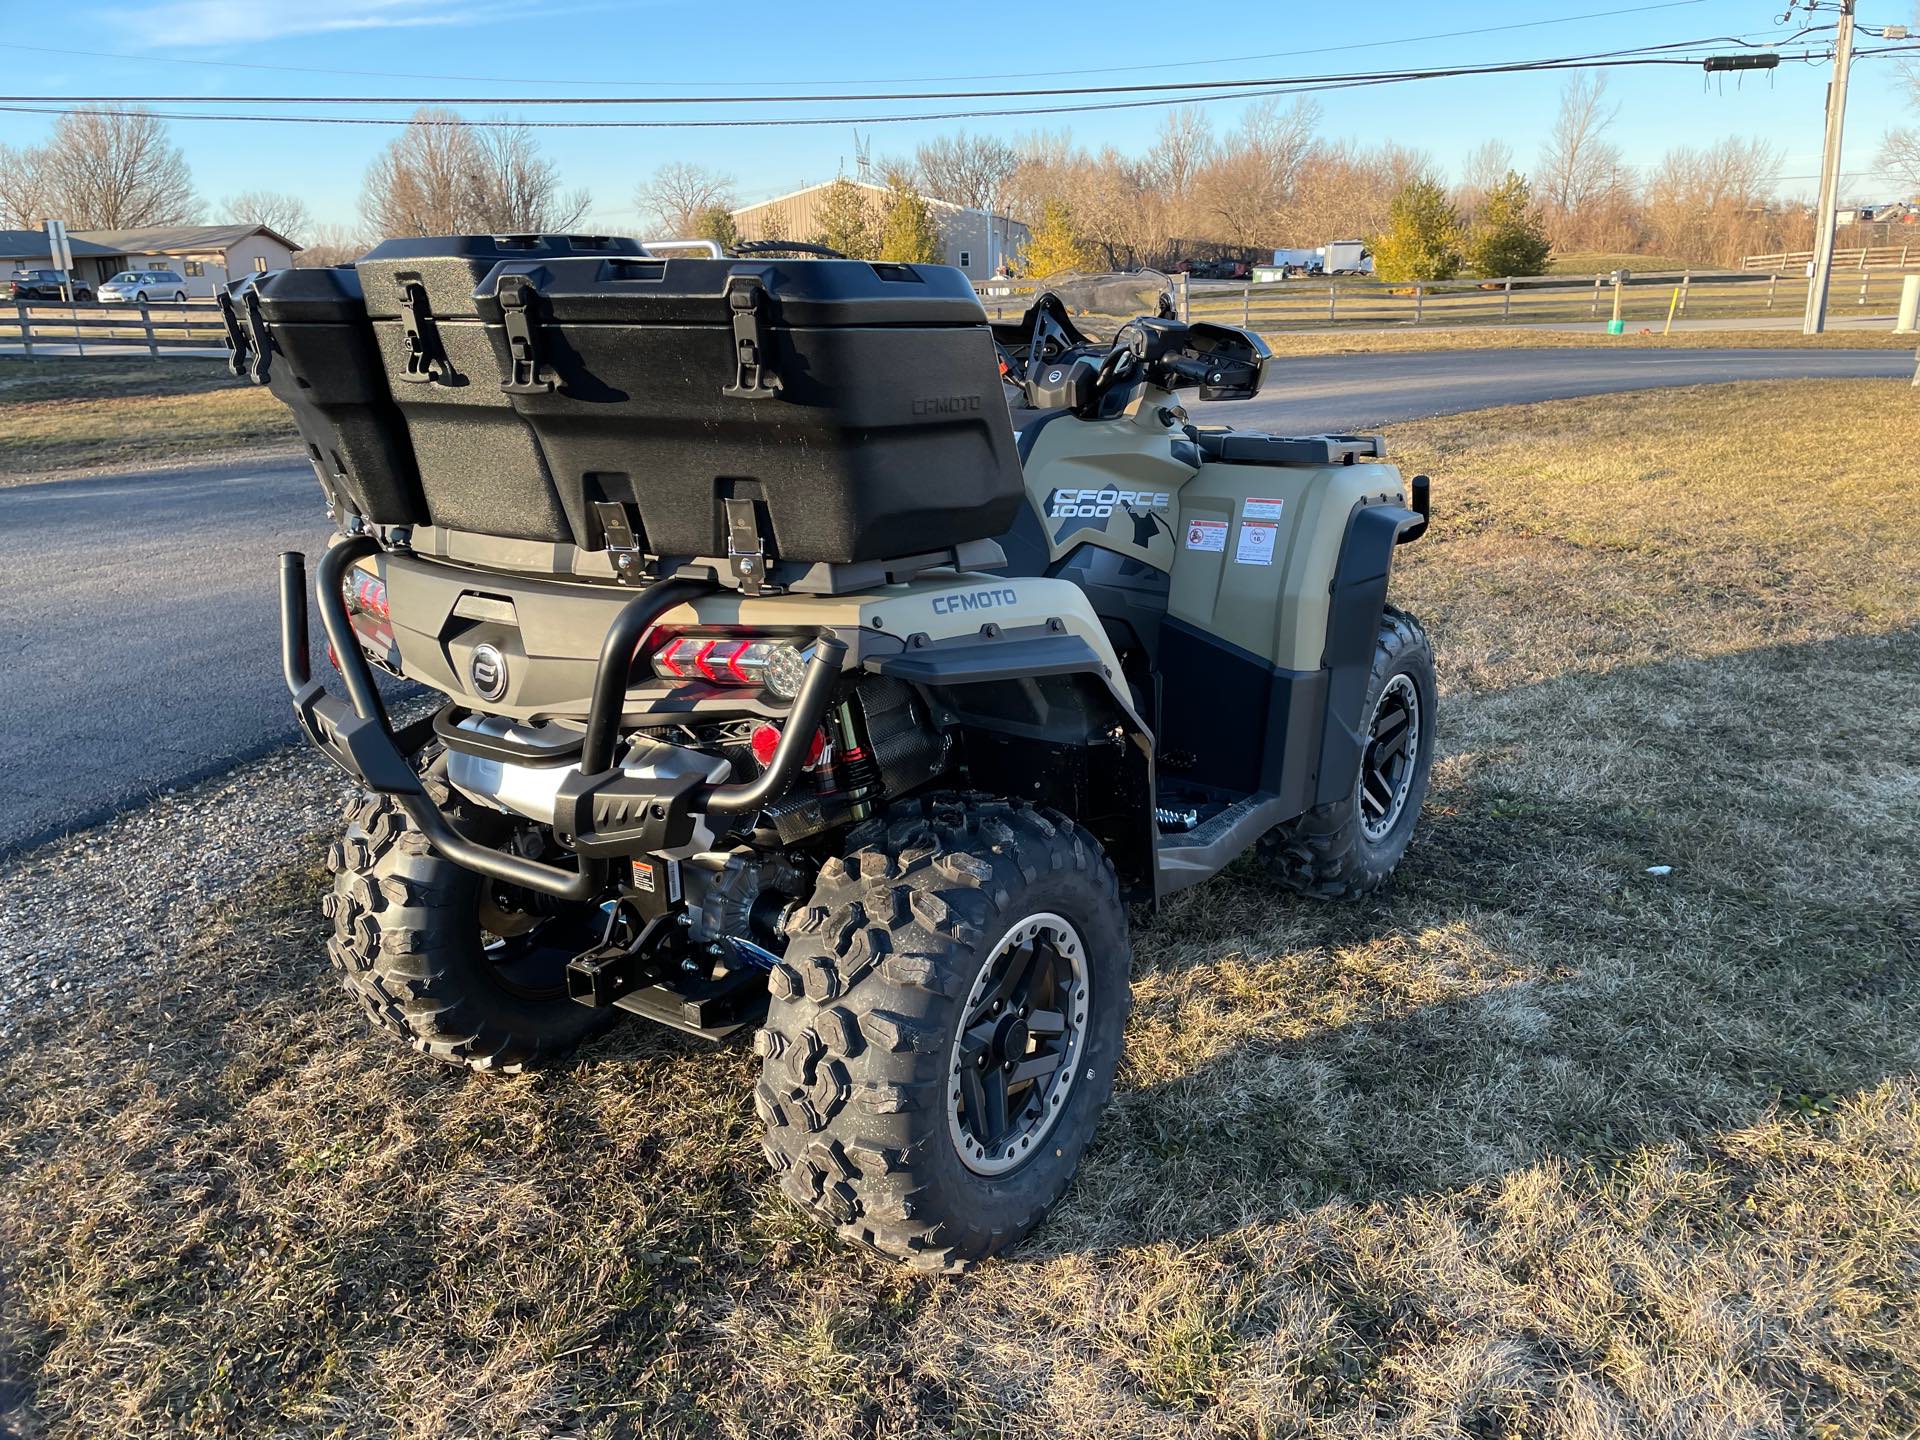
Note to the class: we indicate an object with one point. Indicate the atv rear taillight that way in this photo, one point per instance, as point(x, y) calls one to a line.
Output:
point(733, 660)
point(766, 739)
point(366, 594)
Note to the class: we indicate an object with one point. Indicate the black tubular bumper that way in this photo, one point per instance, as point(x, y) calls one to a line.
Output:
point(603, 811)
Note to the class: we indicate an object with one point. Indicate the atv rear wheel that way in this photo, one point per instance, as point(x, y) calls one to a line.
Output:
point(945, 1027)
point(464, 969)
point(1351, 846)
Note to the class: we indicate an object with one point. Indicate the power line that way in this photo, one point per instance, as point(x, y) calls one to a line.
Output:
point(1301, 87)
point(863, 97)
point(911, 80)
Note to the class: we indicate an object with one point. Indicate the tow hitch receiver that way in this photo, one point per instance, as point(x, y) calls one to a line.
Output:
point(634, 968)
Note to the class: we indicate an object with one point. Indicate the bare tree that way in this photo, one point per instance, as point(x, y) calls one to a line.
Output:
point(1713, 205)
point(1486, 167)
point(519, 190)
point(284, 214)
point(1247, 190)
point(424, 182)
point(679, 193)
point(442, 177)
point(110, 170)
point(970, 170)
point(1582, 181)
point(25, 198)
point(1899, 151)
point(331, 245)
point(1185, 143)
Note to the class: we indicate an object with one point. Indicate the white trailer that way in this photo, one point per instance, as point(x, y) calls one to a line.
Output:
point(1346, 257)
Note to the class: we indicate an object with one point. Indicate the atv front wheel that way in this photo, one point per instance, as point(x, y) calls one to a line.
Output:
point(945, 1027)
point(1351, 846)
point(465, 969)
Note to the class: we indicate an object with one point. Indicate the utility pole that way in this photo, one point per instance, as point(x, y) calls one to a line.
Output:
point(1816, 318)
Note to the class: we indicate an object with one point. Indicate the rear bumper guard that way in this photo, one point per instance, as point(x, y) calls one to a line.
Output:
point(603, 812)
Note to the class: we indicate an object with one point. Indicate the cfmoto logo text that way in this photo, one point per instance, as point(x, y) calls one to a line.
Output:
point(487, 672)
point(1099, 504)
point(946, 404)
point(962, 601)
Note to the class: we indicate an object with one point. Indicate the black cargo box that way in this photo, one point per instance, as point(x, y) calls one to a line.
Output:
point(577, 390)
point(480, 467)
point(856, 406)
point(305, 333)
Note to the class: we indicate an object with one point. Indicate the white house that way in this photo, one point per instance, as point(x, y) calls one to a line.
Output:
point(207, 256)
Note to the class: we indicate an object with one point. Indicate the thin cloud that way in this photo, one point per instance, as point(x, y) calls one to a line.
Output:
point(201, 22)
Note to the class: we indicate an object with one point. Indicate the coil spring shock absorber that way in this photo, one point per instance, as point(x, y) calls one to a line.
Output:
point(862, 777)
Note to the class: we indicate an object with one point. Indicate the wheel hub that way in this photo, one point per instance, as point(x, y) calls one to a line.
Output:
point(1393, 748)
point(1018, 1045)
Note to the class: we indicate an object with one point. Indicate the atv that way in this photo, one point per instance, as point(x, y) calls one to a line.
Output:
point(785, 689)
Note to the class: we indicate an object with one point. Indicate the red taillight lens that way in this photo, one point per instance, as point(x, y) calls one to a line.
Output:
point(366, 594)
point(766, 739)
point(733, 660)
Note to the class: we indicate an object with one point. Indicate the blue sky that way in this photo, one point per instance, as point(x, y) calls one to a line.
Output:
point(647, 48)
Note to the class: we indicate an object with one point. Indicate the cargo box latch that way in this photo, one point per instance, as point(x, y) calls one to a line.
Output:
point(746, 552)
point(523, 352)
point(416, 318)
point(754, 378)
point(261, 344)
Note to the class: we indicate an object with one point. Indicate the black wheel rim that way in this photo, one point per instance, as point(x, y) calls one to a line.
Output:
point(1018, 1047)
point(1393, 750)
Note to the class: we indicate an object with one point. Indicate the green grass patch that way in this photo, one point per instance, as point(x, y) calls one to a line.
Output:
point(70, 415)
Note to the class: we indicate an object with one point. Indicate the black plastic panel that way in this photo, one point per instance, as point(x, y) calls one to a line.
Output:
point(323, 364)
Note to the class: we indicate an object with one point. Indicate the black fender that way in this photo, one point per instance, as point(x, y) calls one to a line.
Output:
point(1042, 716)
point(1357, 600)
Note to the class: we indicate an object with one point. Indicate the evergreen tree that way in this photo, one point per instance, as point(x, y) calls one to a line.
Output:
point(846, 221)
point(1054, 245)
point(716, 223)
point(908, 232)
point(1422, 239)
point(1509, 237)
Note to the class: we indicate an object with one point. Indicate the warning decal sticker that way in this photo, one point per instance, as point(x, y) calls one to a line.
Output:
point(1255, 508)
point(1256, 543)
point(1207, 535)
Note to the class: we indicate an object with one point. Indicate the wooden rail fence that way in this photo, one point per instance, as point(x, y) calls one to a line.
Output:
point(1314, 303)
point(111, 330)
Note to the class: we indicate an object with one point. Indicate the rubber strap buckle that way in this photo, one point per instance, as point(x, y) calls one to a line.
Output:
point(523, 350)
point(754, 378)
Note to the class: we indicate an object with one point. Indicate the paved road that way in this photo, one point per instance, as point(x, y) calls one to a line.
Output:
point(138, 639)
point(139, 647)
point(1336, 392)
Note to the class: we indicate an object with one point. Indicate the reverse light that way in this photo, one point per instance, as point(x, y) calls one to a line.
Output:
point(731, 660)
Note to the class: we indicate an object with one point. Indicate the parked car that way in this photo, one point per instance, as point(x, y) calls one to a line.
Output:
point(137, 287)
point(44, 285)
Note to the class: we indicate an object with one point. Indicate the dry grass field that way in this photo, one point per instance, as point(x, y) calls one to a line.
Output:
point(75, 414)
point(1539, 1144)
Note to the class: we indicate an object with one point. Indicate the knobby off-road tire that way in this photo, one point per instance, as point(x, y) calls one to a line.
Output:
point(861, 1040)
point(407, 940)
point(1331, 852)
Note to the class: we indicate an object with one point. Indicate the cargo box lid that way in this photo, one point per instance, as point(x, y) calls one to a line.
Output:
point(314, 296)
point(644, 290)
point(449, 266)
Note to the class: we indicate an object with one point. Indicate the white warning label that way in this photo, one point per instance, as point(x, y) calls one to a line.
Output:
point(1207, 535)
point(1256, 543)
point(1254, 508)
